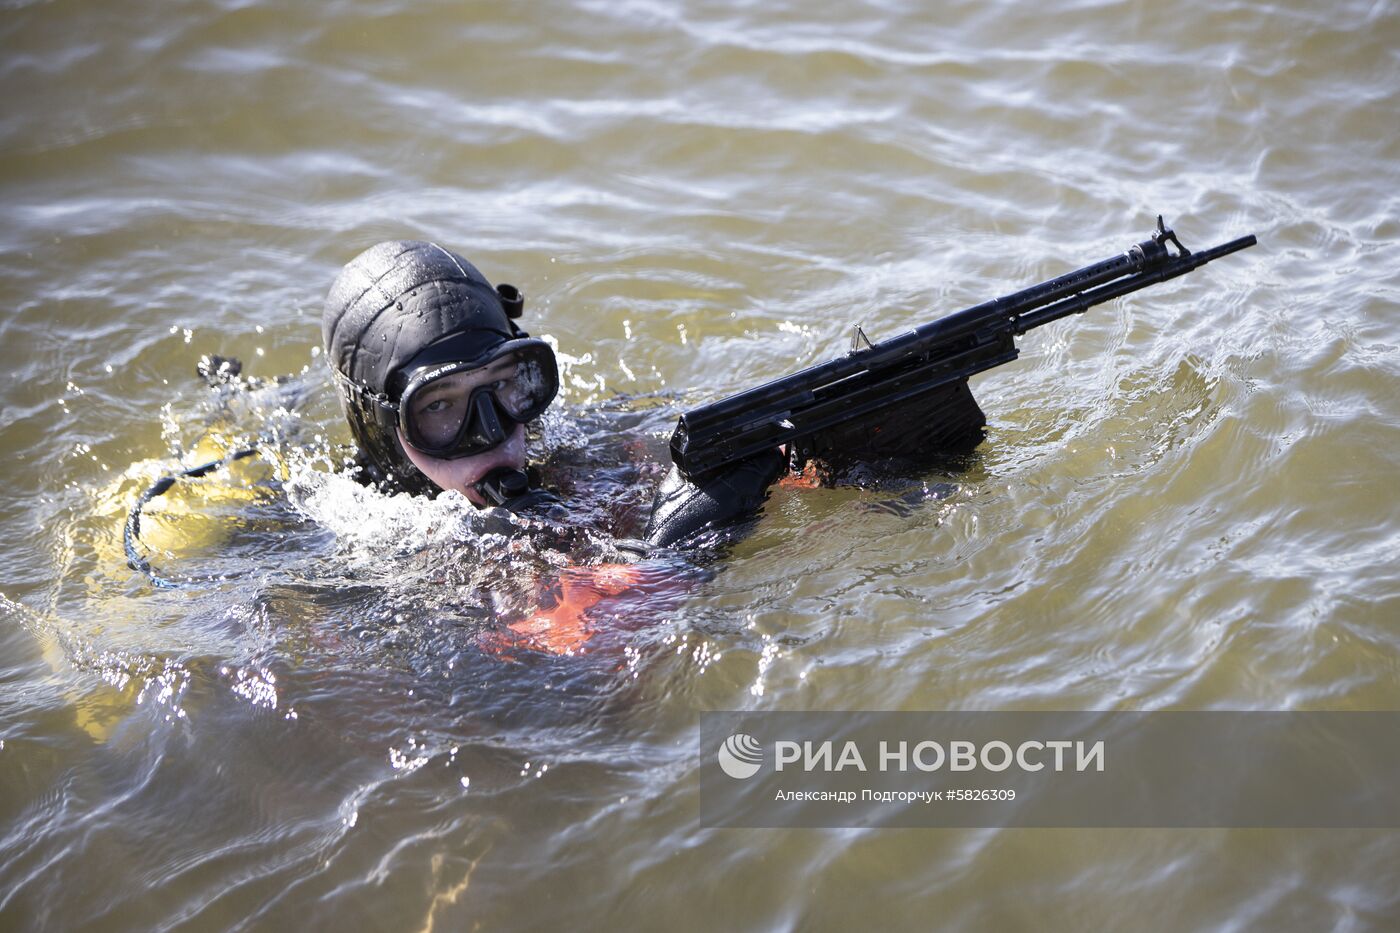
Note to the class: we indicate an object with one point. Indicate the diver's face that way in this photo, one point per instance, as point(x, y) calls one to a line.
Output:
point(439, 403)
point(464, 472)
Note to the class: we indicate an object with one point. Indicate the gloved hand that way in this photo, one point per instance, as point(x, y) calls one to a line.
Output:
point(682, 509)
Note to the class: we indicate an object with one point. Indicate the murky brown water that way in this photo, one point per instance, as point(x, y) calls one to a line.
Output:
point(1187, 499)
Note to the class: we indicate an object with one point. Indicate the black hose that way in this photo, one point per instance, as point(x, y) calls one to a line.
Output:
point(132, 534)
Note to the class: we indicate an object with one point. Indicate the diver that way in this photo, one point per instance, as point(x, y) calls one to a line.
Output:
point(438, 382)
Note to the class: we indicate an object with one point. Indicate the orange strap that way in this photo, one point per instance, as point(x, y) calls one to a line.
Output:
point(565, 629)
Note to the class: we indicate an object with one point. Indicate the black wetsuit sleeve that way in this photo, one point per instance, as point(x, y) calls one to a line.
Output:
point(682, 508)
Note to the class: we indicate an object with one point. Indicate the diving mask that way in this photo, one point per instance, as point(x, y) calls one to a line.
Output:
point(455, 409)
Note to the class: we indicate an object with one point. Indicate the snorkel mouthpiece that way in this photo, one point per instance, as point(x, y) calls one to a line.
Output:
point(502, 485)
point(509, 489)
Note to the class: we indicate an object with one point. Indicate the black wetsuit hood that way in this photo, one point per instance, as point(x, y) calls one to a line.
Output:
point(386, 307)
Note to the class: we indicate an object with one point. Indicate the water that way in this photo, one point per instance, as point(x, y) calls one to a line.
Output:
point(1186, 500)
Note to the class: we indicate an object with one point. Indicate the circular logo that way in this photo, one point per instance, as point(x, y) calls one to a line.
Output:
point(740, 756)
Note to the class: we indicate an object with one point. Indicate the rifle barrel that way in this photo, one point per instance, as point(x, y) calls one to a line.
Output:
point(1176, 266)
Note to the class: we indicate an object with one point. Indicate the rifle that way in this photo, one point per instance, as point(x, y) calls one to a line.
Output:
point(912, 388)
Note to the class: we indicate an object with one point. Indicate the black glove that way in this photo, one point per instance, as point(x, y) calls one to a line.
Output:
point(682, 509)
